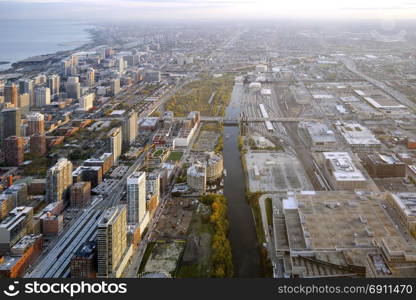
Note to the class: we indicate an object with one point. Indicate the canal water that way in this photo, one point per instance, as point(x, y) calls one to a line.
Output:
point(242, 233)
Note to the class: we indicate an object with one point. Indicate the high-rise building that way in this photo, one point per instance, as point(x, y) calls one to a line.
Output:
point(197, 177)
point(23, 102)
point(38, 144)
point(115, 143)
point(10, 122)
point(26, 87)
point(54, 83)
point(10, 93)
point(86, 102)
point(13, 148)
point(131, 60)
point(73, 87)
point(40, 79)
point(115, 86)
point(120, 65)
point(42, 96)
point(74, 60)
point(80, 194)
point(36, 123)
point(129, 129)
point(58, 180)
point(90, 77)
point(136, 197)
point(111, 240)
point(65, 67)
point(153, 183)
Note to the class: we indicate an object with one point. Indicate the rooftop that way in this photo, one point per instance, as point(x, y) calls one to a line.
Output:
point(342, 166)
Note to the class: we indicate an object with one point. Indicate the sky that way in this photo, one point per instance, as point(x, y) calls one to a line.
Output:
point(207, 9)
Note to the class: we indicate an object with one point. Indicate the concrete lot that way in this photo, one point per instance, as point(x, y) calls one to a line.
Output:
point(276, 172)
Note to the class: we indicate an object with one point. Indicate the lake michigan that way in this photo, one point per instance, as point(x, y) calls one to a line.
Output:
point(20, 39)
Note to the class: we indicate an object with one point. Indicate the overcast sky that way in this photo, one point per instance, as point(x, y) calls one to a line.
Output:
point(206, 9)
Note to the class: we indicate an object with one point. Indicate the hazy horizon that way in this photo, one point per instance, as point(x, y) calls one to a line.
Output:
point(206, 10)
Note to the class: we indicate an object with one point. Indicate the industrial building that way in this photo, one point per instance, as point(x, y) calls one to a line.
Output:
point(405, 206)
point(320, 135)
point(340, 234)
point(384, 166)
point(358, 137)
point(342, 173)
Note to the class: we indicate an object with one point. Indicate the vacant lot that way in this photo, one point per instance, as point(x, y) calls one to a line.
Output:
point(197, 96)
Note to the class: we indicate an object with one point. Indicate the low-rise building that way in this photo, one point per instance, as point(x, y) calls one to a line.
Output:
point(358, 137)
point(320, 135)
point(84, 262)
point(22, 255)
point(384, 166)
point(15, 226)
point(80, 194)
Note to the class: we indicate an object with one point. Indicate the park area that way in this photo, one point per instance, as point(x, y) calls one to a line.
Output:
point(210, 96)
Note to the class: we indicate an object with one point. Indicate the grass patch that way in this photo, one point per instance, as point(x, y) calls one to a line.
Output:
point(212, 126)
point(158, 153)
point(175, 156)
point(202, 229)
point(146, 256)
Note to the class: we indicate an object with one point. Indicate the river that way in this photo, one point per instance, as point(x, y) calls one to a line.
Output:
point(242, 233)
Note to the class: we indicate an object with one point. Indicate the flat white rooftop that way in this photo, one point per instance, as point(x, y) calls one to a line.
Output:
point(342, 166)
point(355, 134)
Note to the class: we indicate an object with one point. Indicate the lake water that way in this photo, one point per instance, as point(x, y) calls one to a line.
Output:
point(20, 39)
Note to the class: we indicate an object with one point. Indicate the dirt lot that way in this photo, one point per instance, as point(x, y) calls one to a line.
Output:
point(174, 222)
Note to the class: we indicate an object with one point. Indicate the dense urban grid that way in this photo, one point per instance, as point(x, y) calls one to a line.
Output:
point(212, 150)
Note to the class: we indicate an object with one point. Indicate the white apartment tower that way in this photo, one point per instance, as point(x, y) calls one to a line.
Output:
point(115, 142)
point(136, 197)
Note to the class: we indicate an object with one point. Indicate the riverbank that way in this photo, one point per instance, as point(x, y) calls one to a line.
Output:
point(253, 199)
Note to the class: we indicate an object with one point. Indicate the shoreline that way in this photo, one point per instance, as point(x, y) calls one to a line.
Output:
point(90, 42)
